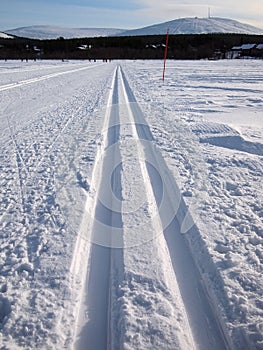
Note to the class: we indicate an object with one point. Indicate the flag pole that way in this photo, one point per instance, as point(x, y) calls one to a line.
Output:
point(165, 52)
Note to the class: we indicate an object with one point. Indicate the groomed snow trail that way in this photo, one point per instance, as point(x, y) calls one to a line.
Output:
point(49, 136)
point(141, 285)
point(61, 156)
point(24, 82)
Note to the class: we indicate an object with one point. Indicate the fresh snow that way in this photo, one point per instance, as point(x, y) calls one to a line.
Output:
point(131, 208)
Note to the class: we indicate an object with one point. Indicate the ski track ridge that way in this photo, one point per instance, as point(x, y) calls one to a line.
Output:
point(84, 248)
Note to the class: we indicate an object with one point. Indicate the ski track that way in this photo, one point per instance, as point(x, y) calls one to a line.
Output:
point(44, 77)
point(27, 175)
point(82, 168)
point(42, 166)
point(174, 129)
point(108, 265)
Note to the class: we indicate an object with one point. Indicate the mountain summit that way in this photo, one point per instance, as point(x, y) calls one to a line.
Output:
point(189, 25)
point(197, 25)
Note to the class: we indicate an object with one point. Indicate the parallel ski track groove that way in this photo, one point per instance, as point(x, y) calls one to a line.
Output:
point(177, 244)
point(98, 332)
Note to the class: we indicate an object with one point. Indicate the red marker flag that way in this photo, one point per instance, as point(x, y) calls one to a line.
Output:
point(165, 52)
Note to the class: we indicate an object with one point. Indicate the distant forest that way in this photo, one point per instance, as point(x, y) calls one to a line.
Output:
point(182, 46)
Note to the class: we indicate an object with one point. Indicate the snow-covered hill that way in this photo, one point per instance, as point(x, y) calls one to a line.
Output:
point(189, 25)
point(197, 26)
point(5, 36)
point(50, 32)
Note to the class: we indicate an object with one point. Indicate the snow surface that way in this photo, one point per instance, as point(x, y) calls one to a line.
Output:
point(131, 208)
point(51, 32)
point(5, 36)
point(197, 26)
point(178, 26)
point(207, 119)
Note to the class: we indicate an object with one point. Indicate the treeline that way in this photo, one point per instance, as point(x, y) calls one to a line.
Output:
point(190, 46)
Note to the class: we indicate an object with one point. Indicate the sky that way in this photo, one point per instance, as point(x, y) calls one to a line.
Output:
point(125, 14)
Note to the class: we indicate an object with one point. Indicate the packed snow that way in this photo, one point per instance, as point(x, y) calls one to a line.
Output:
point(131, 207)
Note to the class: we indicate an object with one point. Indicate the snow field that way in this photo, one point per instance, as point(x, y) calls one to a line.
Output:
point(20, 71)
point(138, 302)
point(175, 219)
point(91, 156)
point(43, 165)
point(219, 104)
